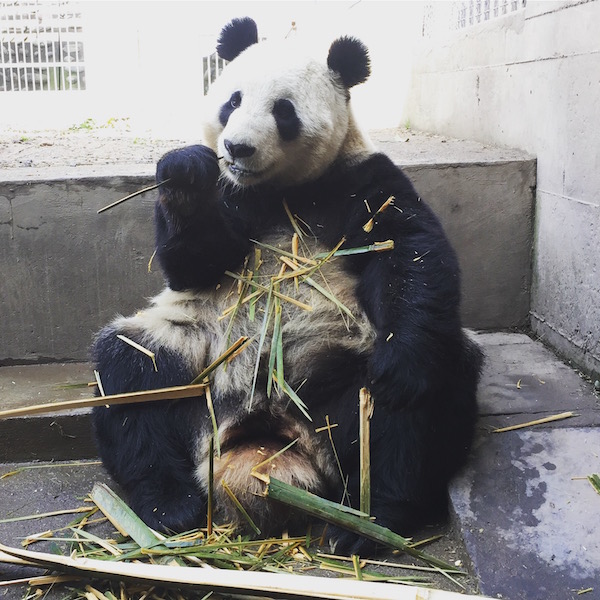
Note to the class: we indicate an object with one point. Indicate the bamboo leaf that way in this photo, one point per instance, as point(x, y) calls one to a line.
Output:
point(261, 341)
point(273, 355)
point(285, 387)
point(329, 296)
point(291, 255)
point(594, 480)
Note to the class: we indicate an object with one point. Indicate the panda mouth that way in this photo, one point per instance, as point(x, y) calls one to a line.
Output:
point(241, 172)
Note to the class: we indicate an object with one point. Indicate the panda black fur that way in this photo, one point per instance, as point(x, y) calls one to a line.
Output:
point(283, 126)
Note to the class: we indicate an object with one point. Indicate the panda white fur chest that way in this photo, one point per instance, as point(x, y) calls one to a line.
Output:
point(283, 152)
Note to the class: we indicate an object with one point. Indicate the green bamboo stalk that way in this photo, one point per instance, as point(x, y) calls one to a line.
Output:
point(330, 512)
point(374, 247)
point(122, 517)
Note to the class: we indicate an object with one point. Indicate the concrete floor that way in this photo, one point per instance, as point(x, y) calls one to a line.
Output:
point(525, 520)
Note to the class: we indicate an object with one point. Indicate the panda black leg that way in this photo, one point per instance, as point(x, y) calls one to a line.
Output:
point(414, 454)
point(149, 448)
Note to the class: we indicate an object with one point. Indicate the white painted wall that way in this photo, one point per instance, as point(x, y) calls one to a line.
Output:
point(531, 80)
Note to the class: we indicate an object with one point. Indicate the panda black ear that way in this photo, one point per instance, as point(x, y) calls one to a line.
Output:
point(349, 58)
point(236, 37)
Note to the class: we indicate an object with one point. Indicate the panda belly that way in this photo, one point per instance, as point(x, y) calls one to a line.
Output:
point(253, 426)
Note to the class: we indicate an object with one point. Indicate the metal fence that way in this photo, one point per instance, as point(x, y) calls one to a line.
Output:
point(212, 66)
point(478, 11)
point(41, 46)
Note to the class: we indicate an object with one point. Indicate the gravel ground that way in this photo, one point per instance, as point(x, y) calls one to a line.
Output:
point(105, 146)
point(80, 148)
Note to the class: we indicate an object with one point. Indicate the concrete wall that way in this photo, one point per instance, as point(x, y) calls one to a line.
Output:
point(531, 80)
point(67, 271)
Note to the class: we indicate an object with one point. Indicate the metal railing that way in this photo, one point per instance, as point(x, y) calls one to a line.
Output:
point(472, 12)
point(41, 46)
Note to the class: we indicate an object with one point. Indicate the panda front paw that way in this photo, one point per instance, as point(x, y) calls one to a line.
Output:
point(346, 543)
point(190, 167)
point(174, 515)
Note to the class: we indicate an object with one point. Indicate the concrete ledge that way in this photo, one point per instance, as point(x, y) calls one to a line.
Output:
point(67, 270)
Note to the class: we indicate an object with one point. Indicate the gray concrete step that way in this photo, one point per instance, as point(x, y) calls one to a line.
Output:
point(67, 270)
point(528, 518)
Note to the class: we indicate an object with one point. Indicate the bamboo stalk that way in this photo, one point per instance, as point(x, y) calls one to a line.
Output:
point(171, 393)
point(230, 581)
point(213, 419)
point(365, 414)
point(558, 417)
point(139, 348)
point(384, 246)
point(229, 353)
point(368, 226)
point(54, 513)
point(239, 507)
point(332, 513)
point(130, 196)
point(122, 517)
point(211, 479)
point(264, 288)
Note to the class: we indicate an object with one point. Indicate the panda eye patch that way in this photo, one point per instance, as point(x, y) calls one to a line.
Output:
point(286, 118)
point(234, 102)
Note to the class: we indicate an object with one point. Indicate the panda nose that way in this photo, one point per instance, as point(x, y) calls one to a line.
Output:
point(239, 150)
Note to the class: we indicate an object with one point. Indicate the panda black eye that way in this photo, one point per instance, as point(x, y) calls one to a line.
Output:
point(286, 118)
point(284, 109)
point(235, 100)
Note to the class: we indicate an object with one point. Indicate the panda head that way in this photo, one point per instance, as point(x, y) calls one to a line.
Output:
point(279, 117)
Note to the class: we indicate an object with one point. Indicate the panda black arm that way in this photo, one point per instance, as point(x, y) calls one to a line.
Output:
point(411, 294)
point(195, 241)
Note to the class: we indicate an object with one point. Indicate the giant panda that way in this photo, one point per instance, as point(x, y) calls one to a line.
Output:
point(282, 154)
